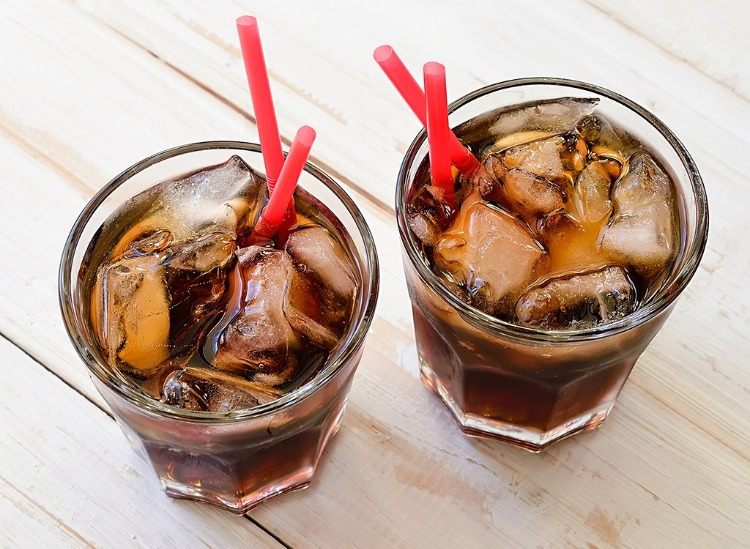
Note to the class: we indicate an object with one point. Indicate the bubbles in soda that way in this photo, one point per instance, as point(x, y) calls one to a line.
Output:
point(569, 223)
point(182, 308)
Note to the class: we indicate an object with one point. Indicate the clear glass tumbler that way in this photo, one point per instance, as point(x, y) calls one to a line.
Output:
point(527, 386)
point(240, 458)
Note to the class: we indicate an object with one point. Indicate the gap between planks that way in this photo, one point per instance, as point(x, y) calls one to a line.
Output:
point(665, 50)
point(108, 413)
point(57, 520)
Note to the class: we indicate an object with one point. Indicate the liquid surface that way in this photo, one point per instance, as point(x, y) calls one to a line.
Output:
point(569, 223)
point(187, 304)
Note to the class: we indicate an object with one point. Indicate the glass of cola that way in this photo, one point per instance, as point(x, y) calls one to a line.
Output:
point(539, 283)
point(226, 358)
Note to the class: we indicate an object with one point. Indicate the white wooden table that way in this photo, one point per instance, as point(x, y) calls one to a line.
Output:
point(87, 88)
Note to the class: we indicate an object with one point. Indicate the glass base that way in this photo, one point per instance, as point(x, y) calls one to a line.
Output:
point(291, 483)
point(529, 439)
point(235, 500)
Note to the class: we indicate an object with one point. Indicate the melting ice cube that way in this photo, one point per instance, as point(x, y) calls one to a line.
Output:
point(131, 311)
point(540, 158)
point(259, 340)
point(204, 389)
point(577, 301)
point(642, 230)
point(593, 185)
point(491, 252)
point(320, 253)
point(532, 194)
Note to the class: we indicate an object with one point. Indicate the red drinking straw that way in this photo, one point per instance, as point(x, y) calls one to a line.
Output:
point(260, 92)
point(438, 131)
point(274, 213)
point(404, 82)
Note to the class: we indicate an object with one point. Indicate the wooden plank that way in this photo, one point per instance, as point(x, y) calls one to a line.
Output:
point(670, 464)
point(707, 38)
point(68, 477)
point(33, 237)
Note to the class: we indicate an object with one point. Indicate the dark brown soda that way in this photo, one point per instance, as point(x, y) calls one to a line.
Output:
point(541, 386)
point(202, 296)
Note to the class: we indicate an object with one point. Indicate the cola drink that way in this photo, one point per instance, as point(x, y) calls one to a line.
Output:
point(562, 231)
point(226, 356)
point(534, 287)
point(199, 319)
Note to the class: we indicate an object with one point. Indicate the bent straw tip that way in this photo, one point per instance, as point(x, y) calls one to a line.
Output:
point(433, 68)
point(382, 53)
point(305, 136)
point(273, 215)
point(247, 21)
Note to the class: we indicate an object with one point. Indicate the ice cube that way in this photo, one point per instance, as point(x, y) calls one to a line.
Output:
point(428, 213)
point(591, 127)
point(203, 389)
point(424, 226)
point(490, 186)
point(540, 158)
point(495, 168)
point(532, 194)
point(320, 253)
point(152, 303)
point(322, 286)
point(577, 301)
point(131, 311)
point(553, 117)
point(644, 183)
point(491, 252)
point(259, 340)
point(149, 243)
point(314, 310)
point(641, 233)
point(593, 186)
point(196, 275)
point(205, 253)
point(219, 197)
point(597, 130)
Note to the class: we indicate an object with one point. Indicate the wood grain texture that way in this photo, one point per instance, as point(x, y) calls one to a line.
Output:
point(708, 40)
point(68, 477)
point(118, 82)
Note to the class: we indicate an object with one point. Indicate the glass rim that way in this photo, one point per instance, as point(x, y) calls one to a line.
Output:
point(487, 322)
point(146, 403)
